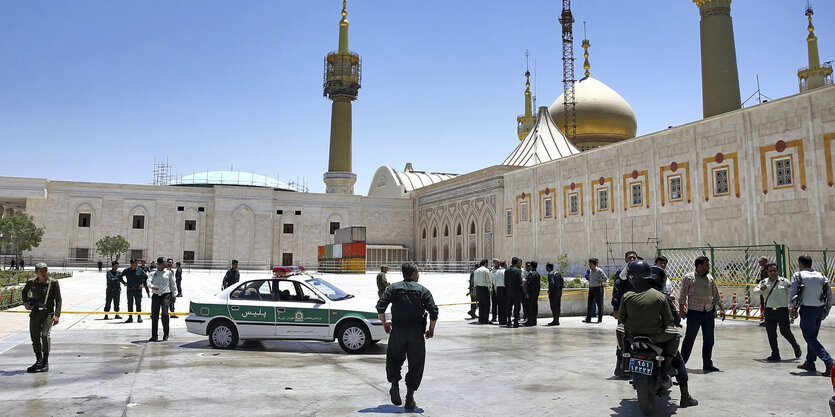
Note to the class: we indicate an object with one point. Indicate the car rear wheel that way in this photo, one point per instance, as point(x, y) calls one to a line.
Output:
point(223, 335)
point(353, 337)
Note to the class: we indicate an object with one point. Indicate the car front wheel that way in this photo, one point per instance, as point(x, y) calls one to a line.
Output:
point(353, 337)
point(223, 335)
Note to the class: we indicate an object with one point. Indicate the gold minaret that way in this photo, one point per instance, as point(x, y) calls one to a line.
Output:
point(586, 64)
point(813, 76)
point(343, 74)
point(524, 122)
point(720, 79)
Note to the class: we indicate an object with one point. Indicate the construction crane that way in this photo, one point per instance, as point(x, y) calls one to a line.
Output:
point(568, 102)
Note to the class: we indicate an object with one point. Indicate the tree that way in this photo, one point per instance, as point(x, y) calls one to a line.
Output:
point(20, 233)
point(111, 246)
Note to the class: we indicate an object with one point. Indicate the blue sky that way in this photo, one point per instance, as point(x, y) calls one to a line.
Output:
point(95, 90)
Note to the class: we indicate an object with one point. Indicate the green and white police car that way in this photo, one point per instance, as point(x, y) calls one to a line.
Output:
point(290, 306)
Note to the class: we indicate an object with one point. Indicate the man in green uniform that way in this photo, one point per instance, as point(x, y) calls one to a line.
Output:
point(382, 282)
point(646, 312)
point(410, 302)
point(42, 297)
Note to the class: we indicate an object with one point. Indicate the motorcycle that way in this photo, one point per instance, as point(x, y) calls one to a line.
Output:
point(645, 363)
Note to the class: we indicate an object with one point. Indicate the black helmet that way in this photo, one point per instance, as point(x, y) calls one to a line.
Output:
point(638, 271)
point(659, 278)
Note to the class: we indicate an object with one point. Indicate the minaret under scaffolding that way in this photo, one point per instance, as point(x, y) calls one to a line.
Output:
point(343, 75)
point(815, 75)
point(524, 122)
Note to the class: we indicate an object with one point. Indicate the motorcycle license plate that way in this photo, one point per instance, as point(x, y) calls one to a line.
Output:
point(640, 366)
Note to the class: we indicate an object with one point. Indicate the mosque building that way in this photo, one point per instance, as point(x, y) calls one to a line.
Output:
point(737, 177)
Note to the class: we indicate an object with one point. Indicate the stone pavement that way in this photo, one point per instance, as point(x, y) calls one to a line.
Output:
point(107, 368)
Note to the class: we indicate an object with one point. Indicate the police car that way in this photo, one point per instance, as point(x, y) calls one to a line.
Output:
point(291, 305)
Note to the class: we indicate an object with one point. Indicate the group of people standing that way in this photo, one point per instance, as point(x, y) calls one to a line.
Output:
point(503, 294)
point(18, 265)
point(164, 281)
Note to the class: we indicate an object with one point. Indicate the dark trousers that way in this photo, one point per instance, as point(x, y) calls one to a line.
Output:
point(134, 297)
point(160, 302)
point(112, 296)
point(179, 287)
point(473, 301)
point(555, 299)
point(532, 303)
point(514, 305)
point(40, 325)
point(595, 299)
point(773, 319)
point(483, 304)
point(173, 301)
point(406, 342)
point(500, 306)
point(810, 325)
point(494, 305)
point(678, 365)
point(699, 320)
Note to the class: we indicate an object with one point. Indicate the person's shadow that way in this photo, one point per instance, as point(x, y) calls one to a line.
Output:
point(13, 373)
point(664, 406)
point(391, 409)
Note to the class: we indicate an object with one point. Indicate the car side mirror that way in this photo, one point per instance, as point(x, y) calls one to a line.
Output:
point(319, 301)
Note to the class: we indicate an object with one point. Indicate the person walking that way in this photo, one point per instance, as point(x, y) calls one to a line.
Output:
point(500, 306)
point(42, 297)
point(382, 282)
point(697, 301)
point(532, 287)
point(169, 265)
point(597, 283)
point(763, 262)
point(484, 289)
point(113, 291)
point(513, 284)
point(555, 286)
point(471, 292)
point(410, 304)
point(22, 264)
point(135, 281)
point(162, 283)
point(774, 291)
point(232, 275)
point(178, 276)
point(812, 298)
point(100, 264)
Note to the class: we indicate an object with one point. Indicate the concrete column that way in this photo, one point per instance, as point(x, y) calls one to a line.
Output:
point(720, 78)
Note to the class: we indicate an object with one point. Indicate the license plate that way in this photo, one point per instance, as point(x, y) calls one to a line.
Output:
point(640, 366)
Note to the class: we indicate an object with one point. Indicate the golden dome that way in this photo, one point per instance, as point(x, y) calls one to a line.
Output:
point(603, 116)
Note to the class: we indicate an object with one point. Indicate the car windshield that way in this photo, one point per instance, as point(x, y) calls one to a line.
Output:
point(328, 289)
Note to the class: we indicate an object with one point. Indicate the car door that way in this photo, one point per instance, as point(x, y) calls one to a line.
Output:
point(252, 307)
point(301, 312)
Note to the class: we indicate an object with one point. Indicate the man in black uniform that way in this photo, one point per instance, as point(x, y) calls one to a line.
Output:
point(532, 286)
point(42, 297)
point(513, 283)
point(135, 280)
point(113, 292)
point(232, 275)
point(410, 302)
point(178, 275)
point(555, 286)
point(621, 287)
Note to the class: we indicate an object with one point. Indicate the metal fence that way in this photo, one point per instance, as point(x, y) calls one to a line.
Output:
point(736, 270)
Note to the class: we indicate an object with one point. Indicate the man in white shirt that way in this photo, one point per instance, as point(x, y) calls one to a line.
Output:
point(811, 295)
point(162, 284)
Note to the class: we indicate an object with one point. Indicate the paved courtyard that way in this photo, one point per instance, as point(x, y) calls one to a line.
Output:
point(106, 368)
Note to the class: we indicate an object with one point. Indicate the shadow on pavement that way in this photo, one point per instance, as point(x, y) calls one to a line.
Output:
point(287, 347)
point(629, 407)
point(391, 409)
point(12, 373)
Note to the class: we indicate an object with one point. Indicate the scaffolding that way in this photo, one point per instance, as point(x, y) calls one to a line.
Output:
point(569, 102)
point(163, 172)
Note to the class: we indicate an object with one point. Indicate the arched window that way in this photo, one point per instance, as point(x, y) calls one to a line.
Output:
point(423, 234)
point(472, 228)
point(458, 230)
point(434, 232)
point(446, 231)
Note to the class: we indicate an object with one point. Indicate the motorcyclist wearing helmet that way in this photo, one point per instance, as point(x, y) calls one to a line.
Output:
point(677, 362)
point(645, 311)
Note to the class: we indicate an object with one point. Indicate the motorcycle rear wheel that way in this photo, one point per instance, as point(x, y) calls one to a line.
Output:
point(646, 397)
